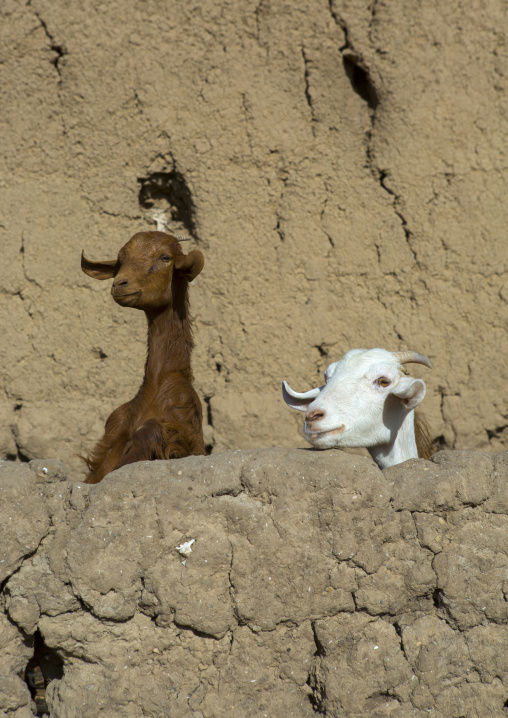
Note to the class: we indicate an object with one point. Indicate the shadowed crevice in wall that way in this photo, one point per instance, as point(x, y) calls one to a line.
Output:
point(169, 191)
point(363, 85)
point(356, 70)
point(308, 96)
point(209, 420)
point(44, 666)
point(360, 80)
point(398, 631)
point(20, 454)
point(317, 695)
point(59, 49)
point(383, 175)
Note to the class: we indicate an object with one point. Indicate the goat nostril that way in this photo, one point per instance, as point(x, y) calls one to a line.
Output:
point(315, 415)
point(120, 283)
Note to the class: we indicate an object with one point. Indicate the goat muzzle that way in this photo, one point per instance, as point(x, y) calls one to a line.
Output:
point(120, 288)
point(314, 416)
point(124, 298)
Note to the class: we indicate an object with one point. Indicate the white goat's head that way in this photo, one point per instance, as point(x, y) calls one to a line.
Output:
point(364, 402)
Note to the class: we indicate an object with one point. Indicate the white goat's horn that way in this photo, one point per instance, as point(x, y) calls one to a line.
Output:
point(412, 358)
point(312, 394)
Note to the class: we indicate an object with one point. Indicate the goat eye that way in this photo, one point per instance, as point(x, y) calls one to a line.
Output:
point(165, 258)
point(383, 381)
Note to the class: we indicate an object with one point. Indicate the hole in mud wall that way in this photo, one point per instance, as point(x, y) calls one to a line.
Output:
point(437, 598)
point(168, 191)
point(360, 81)
point(44, 666)
point(498, 433)
point(439, 444)
point(210, 443)
point(19, 455)
point(317, 695)
point(22, 457)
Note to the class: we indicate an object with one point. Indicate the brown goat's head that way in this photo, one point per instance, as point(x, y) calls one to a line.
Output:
point(145, 270)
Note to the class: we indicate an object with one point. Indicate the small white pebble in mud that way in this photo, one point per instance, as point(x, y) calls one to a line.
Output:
point(185, 548)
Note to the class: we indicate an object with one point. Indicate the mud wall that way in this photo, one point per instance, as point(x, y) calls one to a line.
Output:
point(273, 582)
point(341, 164)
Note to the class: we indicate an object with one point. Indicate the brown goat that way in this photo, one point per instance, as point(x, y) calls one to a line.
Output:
point(423, 437)
point(164, 420)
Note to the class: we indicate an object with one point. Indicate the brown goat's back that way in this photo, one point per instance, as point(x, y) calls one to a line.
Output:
point(423, 437)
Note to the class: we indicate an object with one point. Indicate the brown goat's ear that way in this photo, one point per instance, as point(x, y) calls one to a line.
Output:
point(99, 270)
point(190, 264)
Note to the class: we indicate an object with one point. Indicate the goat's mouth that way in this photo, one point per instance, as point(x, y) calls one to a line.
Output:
point(126, 297)
point(313, 435)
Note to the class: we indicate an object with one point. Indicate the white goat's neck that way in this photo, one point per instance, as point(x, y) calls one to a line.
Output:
point(402, 448)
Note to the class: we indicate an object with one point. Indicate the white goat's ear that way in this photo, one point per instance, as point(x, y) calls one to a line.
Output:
point(411, 391)
point(296, 400)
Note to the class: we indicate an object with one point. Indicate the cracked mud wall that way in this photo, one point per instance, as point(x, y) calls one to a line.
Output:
point(342, 165)
point(316, 584)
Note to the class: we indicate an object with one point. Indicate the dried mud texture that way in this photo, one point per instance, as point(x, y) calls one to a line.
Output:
point(342, 165)
point(315, 583)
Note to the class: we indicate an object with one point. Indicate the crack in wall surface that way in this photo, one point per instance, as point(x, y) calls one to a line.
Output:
point(321, 217)
point(317, 695)
point(278, 227)
point(382, 175)
point(362, 83)
point(248, 118)
point(58, 49)
point(209, 420)
point(306, 78)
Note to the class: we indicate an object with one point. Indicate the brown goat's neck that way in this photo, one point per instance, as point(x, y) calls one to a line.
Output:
point(169, 343)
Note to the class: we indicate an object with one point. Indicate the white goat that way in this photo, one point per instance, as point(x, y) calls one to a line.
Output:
point(368, 400)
